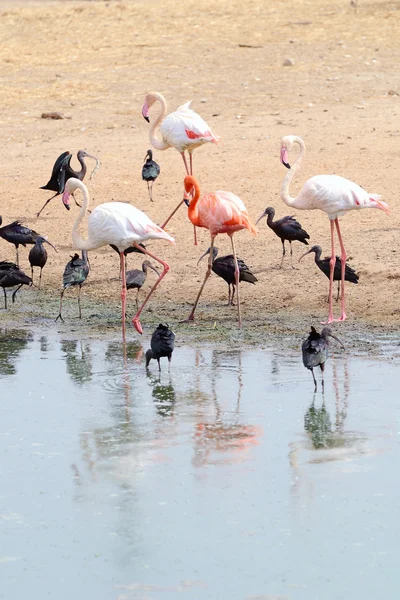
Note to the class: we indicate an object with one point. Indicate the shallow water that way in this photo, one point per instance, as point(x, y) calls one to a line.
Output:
point(227, 478)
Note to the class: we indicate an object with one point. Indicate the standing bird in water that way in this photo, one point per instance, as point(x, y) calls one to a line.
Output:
point(219, 212)
point(150, 172)
point(162, 344)
point(224, 267)
point(120, 224)
point(332, 194)
point(38, 256)
point(286, 228)
point(62, 171)
point(136, 278)
point(315, 351)
point(183, 130)
point(12, 276)
point(19, 235)
point(324, 265)
point(75, 273)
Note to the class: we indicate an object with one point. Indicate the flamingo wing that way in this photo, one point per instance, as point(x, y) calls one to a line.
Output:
point(223, 212)
point(335, 195)
point(121, 224)
point(185, 128)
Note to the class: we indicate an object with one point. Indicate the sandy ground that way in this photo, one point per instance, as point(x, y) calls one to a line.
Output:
point(94, 61)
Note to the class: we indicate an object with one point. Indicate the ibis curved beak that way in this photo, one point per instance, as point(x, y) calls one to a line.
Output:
point(305, 254)
point(203, 255)
point(154, 269)
point(259, 218)
point(337, 339)
point(50, 244)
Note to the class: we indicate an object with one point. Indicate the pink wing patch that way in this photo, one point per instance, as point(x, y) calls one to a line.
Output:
point(195, 136)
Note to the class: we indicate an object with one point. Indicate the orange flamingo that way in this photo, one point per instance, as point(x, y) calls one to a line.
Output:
point(219, 212)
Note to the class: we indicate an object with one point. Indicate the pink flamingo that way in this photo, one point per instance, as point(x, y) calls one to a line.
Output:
point(120, 224)
point(334, 195)
point(183, 129)
point(219, 212)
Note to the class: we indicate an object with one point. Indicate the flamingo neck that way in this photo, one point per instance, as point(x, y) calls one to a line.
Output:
point(285, 196)
point(78, 241)
point(156, 142)
point(193, 212)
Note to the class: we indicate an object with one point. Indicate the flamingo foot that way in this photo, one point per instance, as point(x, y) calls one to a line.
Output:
point(343, 317)
point(189, 319)
point(137, 325)
point(330, 320)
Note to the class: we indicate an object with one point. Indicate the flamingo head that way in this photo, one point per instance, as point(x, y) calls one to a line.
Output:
point(148, 103)
point(286, 145)
point(191, 186)
point(71, 185)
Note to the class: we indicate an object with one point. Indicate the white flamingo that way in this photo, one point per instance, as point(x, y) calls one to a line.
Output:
point(334, 195)
point(183, 130)
point(120, 224)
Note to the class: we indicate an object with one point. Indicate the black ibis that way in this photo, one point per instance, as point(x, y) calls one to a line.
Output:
point(19, 235)
point(75, 273)
point(62, 171)
point(128, 250)
point(286, 228)
point(162, 344)
point(12, 276)
point(150, 172)
point(224, 267)
point(324, 265)
point(38, 256)
point(136, 278)
point(315, 351)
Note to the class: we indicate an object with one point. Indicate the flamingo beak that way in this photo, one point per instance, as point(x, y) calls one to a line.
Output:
point(65, 198)
point(145, 113)
point(285, 157)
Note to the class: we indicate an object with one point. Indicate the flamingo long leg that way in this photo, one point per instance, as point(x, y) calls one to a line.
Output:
point(191, 172)
point(135, 320)
point(332, 263)
point(207, 275)
point(343, 258)
point(237, 273)
point(123, 293)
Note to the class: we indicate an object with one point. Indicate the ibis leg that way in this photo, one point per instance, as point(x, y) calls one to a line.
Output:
point(61, 301)
point(283, 253)
point(45, 204)
point(322, 372)
point(15, 292)
point(5, 297)
point(237, 274)
point(135, 320)
point(207, 275)
point(343, 258)
point(332, 263)
point(32, 274)
point(16, 248)
point(79, 302)
point(338, 290)
point(123, 294)
point(40, 277)
point(315, 381)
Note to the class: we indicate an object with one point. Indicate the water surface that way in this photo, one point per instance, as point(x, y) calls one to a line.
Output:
point(227, 478)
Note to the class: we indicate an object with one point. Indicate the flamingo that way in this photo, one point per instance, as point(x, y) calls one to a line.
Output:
point(120, 224)
point(334, 195)
point(219, 212)
point(183, 129)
